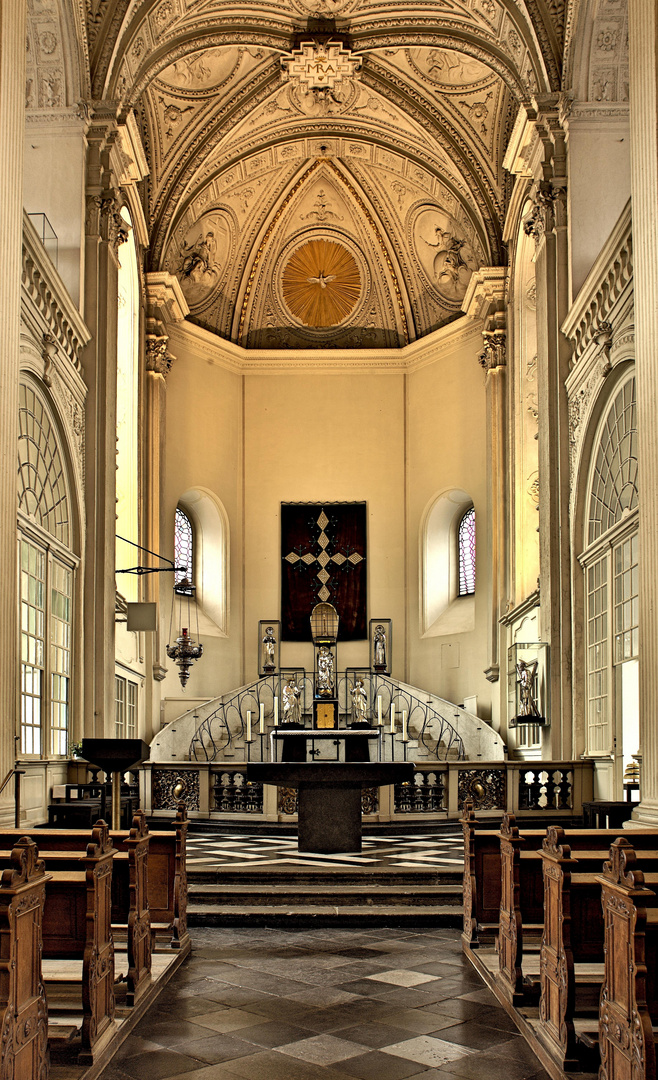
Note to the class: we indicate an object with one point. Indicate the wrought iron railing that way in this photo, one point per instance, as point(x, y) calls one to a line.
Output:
point(427, 723)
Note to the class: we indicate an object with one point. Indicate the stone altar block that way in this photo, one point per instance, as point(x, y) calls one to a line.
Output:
point(329, 799)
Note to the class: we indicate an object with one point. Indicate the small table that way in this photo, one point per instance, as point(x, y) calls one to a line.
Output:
point(607, 813)
point(329, 799)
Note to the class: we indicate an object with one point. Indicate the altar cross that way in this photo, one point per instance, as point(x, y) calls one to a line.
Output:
point(323, 560)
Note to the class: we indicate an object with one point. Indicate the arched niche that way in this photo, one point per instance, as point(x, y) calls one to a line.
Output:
point(442, 610)
point(211, 558)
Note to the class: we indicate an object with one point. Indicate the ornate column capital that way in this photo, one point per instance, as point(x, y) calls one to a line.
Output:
point(158, 358)
point(494, 354)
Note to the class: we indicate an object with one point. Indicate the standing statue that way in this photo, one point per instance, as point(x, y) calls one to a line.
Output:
point(359, 703)
point(292, 706)
point(526, 673)
point(380, 648)
point(325, 678)
point(269, 645)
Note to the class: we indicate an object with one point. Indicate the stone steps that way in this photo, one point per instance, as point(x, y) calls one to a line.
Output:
point(318, 896)
point(329, 896)
point(301, 915)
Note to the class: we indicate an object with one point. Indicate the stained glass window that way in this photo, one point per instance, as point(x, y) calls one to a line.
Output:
point(183, 546)
point(466, 542)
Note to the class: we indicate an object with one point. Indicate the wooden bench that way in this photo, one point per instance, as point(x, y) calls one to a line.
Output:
point(628, 1004)
point(62, 850)
point(23, 1009)
point(77, 926)
point(167, 884)
point(574, 936)
point(522, 896)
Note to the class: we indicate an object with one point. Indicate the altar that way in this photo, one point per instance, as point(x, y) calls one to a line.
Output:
point(329, 795)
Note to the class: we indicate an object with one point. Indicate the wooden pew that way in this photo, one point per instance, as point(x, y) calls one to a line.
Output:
point(63, 848)
point(167, 885)
point(628, 996)
point(23, 1010)
point(77, 925)
point(573, 934)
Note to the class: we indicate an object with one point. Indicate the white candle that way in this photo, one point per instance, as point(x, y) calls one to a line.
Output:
point(379, 712)
point(276, 711)
point(405, 734)
point(248, 726)
point(392, 719)
point(262, 719)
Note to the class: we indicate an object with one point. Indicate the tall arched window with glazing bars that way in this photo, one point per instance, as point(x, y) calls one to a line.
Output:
point(183, 547)
point(466, 545)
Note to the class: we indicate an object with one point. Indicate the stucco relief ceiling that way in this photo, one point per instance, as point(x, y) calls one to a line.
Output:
point(385, 183)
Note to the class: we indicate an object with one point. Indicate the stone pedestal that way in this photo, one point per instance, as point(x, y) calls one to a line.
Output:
point(329, 801)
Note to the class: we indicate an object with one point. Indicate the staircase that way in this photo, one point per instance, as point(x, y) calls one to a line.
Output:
point(318, 896)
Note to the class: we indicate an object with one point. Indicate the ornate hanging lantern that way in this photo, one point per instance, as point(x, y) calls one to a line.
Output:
point(186, 649)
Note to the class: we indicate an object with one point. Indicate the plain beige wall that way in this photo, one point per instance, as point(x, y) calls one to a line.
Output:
point(392, 437)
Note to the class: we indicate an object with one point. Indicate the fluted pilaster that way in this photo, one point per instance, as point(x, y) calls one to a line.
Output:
point(643, 33)
point(12, 111)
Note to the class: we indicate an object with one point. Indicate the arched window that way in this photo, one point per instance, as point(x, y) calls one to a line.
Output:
point(447, 565)
point(127, 407)
point(47, 577)
point(466, 543)
point(183, 547)
point(610, 564)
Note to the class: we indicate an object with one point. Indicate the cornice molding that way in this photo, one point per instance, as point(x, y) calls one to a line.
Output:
point(432, 349)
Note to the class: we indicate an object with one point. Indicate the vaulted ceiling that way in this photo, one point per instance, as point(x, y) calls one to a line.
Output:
point(349, 213)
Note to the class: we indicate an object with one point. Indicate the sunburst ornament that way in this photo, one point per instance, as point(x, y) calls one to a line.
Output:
point(321, 283)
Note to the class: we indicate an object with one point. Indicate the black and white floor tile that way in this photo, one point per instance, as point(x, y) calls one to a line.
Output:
point(421, 851)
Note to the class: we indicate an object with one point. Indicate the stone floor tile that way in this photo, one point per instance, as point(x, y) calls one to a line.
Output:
point(411, 1020)
point(273, 1033)
point(400, 977)
point(226, 1019)
point(271, 1065)
point(160, 1064)
point(322, 1049)
point(427, 1050)
point(379, 1066)
point(374, 1035)
point(322, 996)
point(477, 1036)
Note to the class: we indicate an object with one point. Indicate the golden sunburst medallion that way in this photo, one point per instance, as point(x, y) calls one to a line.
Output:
point(321, 283)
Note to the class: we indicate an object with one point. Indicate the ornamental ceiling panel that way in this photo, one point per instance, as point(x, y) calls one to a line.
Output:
point(325, 172)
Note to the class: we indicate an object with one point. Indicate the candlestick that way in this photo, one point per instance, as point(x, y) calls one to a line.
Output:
point(392, 719)
point(405, 733)
point(262, 719)
point(248, 726)
point(276, 711)
point(379, 712)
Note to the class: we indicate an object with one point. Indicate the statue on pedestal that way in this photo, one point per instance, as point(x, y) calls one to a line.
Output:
point(380, 648)
point(526, 673)
point(359, 703)
point(269, 646)
point(291, 695)
point(325, 676)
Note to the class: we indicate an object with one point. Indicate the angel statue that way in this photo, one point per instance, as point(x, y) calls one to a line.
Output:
point(526, 673)
point(359, 703)
point(291, 695)
point(325, 679)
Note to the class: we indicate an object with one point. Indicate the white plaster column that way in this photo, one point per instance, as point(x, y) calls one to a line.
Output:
point(548, 224)
point(105, 230)
point(12, 111)
point(643, 35)
point(165, 304)
point(486, 300)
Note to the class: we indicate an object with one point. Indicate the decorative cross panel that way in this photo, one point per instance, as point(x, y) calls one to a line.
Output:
point(319, 67)
point(322, 559)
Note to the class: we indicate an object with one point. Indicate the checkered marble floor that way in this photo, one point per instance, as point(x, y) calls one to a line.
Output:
point(325, 1004)
point(421, 851)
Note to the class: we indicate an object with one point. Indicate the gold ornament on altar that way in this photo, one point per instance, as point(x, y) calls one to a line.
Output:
point(321, 283)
